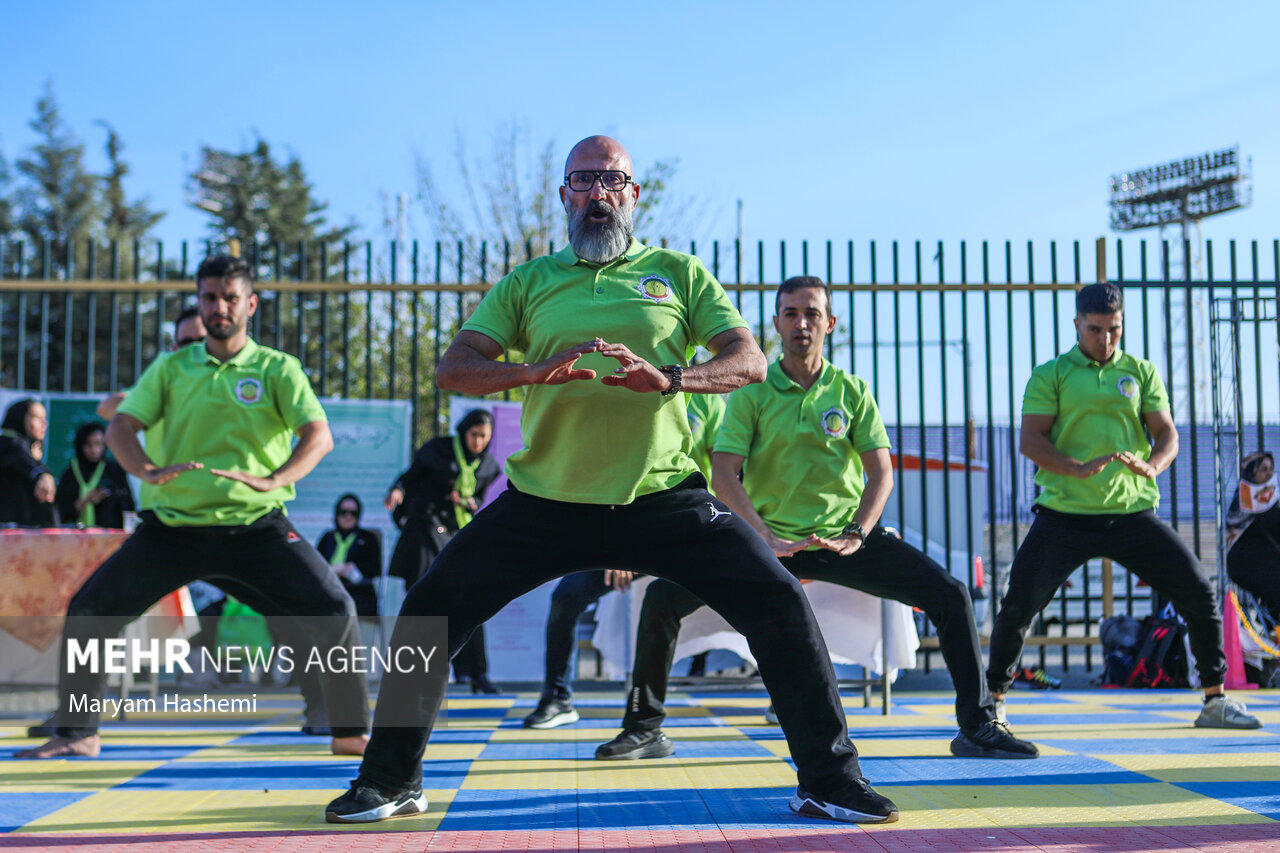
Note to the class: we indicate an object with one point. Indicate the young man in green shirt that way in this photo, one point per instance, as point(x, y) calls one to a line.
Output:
point(578, 591)
point(1085, 419)
point(807, 436)
point(605, 480)
point(230, 409)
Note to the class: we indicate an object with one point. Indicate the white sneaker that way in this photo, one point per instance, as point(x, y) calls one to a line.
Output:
point(1223, 712)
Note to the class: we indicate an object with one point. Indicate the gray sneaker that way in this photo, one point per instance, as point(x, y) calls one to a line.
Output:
point(1223, 712)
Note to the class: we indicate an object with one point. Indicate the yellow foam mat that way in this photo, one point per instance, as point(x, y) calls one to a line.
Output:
point(75, 774)
point(1153, 804)
point(218, 811)
point(1240, 767)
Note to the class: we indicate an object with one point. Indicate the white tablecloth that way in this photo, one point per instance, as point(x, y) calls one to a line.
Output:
point(859, 629)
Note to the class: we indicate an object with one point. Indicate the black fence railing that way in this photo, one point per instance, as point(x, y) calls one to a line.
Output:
point(946, 335)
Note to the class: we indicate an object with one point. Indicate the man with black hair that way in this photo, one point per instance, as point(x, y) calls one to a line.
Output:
point(1086, 416)
point(817, 476)
point(231, 409)
point(605, 480)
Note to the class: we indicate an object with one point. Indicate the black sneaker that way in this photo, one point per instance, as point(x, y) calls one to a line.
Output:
point(1036, 679)
point(367, 802)
point(993, 740)
point(636, 743)
point(551, 713)
point(856, 802)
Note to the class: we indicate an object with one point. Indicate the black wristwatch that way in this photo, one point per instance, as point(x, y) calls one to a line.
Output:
point(676, 374)
point(853, 528)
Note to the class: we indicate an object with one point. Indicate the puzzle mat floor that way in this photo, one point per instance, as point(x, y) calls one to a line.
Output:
point(1119, 771)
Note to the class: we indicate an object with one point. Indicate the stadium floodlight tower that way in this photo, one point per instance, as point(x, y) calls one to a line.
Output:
point(1183, 193)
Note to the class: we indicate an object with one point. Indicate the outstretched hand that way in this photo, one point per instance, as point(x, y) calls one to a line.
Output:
point(1136, 464)
point(253, 481)
point(160, 476)
point(559, 369)
point(787, 547)
point(1085, 470)
point(635, 374)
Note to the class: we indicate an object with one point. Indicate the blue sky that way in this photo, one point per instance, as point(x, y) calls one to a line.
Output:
point(829, 120)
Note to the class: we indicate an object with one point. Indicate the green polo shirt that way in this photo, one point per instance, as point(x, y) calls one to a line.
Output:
point(584, 441)
point(239, 415)
point(1098, 410)
point(706, 413)
point(803, 471)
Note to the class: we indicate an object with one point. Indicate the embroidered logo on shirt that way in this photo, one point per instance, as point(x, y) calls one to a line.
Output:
point(834, 422)
point(654, 287)
point(1127, 386)
point(249, 391)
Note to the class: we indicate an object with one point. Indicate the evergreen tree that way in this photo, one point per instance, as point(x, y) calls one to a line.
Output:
point(262, 202)
point(123, 221)
point(57, 202)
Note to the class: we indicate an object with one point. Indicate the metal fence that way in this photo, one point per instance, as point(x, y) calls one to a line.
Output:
point(946, 334)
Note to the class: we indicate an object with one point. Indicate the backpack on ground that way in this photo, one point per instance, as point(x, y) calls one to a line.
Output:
point(1161, 660)
point(1121, 639)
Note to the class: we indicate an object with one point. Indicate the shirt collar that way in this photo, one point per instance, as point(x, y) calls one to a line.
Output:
point(567, 256)
point(246, 353)
point(779, 379)
point(1077, 356)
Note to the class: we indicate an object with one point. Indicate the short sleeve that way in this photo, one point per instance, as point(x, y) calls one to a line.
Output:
point(1041, 396)
point(738, 429)
point(868, 431)
point(145, 400)
point(1154, 396)
point(500, 314)
point(710, 311)
point(295, 399)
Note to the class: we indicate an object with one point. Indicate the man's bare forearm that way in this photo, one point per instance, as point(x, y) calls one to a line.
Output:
point(122, 438)
point(1164, 451)
point(1040, 450)
point(738, 363)
point(466, 371)
point(314, 442)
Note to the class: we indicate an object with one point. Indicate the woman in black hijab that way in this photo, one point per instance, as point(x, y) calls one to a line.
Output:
point(440, 492)
point(354, 553)
point(94, 490)
point(27, 488)
point(1253, 531)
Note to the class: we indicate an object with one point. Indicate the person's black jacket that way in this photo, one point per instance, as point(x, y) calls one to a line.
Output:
point(429, 481)
point(19, 471)
point(110, 510)
point(366, 553)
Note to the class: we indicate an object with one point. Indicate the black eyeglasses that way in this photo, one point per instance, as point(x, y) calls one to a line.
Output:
point(348, 512)
point(612, 180)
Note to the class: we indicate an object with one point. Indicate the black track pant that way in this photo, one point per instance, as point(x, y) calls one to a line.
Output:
point(520, 542)
point(265, 564)
point(1059, 542)
point(885, 567)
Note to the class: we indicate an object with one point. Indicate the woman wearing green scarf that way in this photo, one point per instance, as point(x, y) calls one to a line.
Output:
point(443, 488)
point(93, 490)
point(354, 553)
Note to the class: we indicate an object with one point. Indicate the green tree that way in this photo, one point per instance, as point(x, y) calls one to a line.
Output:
point(263, 202)
point(6, 201)
point(122, 221)
point(58, 200)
